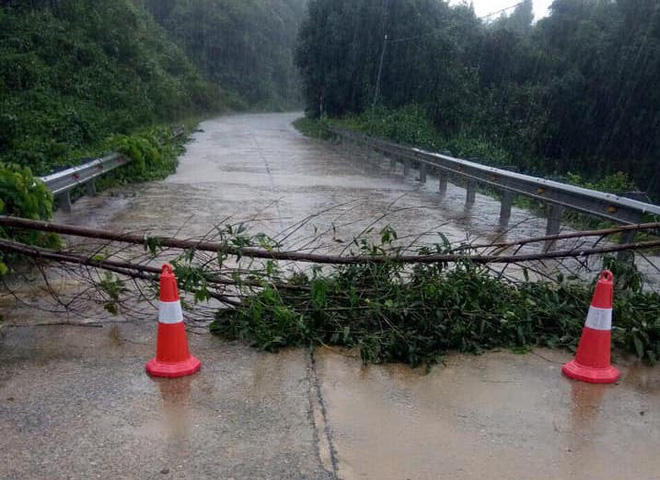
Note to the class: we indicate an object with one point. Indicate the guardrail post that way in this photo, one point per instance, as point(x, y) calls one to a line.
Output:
point(91, 188)
point(505, 208)
point(626, 255)
point(442, 183)
point(471, 193)
point(422, 172)
point(554, 224)
point(64, 201)
point(406, 167)
point(628, 237)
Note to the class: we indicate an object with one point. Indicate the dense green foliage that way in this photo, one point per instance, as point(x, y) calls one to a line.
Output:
point(393, 313)
point(245, 46)
point(153, 155)
point(575, 92)
point(412, 125)
point(73, 72)
point(24, 196)
point(312, 128)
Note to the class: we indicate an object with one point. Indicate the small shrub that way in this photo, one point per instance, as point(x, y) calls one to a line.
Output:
point(23, 195)
point(312, 128)
point(153, 156)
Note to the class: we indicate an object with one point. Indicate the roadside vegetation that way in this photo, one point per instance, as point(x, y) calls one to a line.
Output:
point(76, 72)
point(244, 46)
point(313, 128)
point(80, 78)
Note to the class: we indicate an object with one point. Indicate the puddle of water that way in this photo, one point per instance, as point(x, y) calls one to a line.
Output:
point(498, 415)
point(175, 396)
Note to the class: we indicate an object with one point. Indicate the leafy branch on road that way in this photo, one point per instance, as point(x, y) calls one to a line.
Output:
point(391, 312)
point(389, 306)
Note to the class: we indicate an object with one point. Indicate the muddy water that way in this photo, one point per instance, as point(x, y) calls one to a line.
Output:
point(258, 169)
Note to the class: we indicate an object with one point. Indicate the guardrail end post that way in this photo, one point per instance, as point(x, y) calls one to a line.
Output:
point(505, 209)
point(471, 193)
point(442, 183)
point(422, 172)
point(64, 202)
point(627, 255)
point(628, 237)
point(406, 167)
point(554, 224)
point(91, 188)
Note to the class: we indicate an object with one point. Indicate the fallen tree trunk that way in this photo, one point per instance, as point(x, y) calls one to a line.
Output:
point(128, 269)
point(252, 252)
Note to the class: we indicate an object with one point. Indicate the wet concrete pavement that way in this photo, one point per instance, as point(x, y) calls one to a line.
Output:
point(499, 415)
point(75, 401)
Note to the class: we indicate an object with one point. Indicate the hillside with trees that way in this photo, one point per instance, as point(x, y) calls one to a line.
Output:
point(74, 73)
point(575, 92)
point(246, 46)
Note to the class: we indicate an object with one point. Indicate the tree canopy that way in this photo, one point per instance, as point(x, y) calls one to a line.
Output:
point(245, 46)
point(576, 91)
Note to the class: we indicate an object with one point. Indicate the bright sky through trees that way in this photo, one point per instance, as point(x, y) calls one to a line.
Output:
point(484, 7)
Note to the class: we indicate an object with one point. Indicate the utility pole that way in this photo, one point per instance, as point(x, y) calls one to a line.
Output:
point(380, 71)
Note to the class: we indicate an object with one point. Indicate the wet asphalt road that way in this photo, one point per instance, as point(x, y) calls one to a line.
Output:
point(75, 401)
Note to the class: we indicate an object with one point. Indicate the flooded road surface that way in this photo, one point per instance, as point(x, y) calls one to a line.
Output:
point(259, 169)
point(75, 401)
point(306, 193)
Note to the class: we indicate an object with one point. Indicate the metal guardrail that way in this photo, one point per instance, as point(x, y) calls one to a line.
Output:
point(556, 194)
point(61, 183)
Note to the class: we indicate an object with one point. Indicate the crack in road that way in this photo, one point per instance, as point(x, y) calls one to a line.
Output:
point(270, 177)
point(319, 418)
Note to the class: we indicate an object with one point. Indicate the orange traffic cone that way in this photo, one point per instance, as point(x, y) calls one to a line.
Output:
point(173, 359)
point(592, 361)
